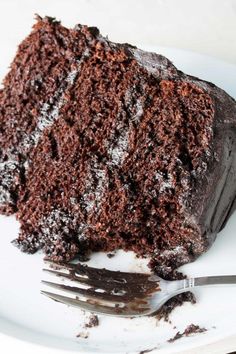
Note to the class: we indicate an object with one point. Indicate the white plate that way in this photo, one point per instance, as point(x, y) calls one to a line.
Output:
point(27, 315)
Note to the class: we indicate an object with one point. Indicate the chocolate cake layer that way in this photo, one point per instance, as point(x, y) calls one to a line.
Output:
point(105, 146)
point(44, 67)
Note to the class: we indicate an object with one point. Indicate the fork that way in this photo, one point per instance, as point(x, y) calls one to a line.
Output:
point(119, 293)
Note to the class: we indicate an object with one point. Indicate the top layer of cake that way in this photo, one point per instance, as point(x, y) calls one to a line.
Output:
point(105, 146)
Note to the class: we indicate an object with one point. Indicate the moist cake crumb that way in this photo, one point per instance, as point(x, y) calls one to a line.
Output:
point(191, 329)
point(83, 335)
point(110, 255)
point(93, 321)
point(147, 350)
point(174, 302)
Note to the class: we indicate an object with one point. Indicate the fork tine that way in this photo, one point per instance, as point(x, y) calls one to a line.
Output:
point(110, 274)
point(94, 306)
point(78, 279)
point(108, 285)
point(105, 274)
point(111, 297)
point(87, 281)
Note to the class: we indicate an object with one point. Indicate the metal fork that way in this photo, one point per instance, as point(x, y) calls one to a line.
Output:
point(119, 293)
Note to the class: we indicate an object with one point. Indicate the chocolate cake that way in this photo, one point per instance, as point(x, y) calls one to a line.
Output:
point(104, 146)
point(189, 330)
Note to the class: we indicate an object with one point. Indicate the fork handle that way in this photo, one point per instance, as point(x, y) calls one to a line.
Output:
point(211, 280)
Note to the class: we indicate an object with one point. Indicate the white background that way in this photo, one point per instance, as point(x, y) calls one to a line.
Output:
point(204, 26)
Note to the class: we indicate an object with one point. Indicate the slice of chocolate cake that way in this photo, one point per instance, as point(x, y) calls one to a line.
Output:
point(105, 146)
